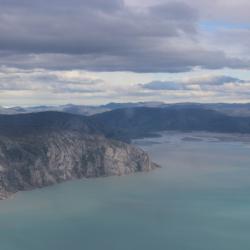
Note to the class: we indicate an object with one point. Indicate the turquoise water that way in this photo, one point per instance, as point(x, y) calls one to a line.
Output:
point(198, 200)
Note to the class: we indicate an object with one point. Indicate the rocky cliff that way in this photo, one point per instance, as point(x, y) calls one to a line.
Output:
point(44, 157)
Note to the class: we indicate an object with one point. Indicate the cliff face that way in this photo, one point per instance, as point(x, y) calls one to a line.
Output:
point(42, 159)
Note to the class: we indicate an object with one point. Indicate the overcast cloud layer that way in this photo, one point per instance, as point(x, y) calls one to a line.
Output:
point(45, 39)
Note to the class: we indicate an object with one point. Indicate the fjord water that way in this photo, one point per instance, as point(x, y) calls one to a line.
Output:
point(199, 199)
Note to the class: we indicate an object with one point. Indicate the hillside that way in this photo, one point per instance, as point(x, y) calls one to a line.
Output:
point(42, 149)
point(126, 124)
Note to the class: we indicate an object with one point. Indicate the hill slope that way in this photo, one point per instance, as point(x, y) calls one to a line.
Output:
point(42, 149)
point(131, 123)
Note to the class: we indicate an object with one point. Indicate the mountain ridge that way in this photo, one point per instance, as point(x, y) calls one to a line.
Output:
point(42, 149)
point(142, 122)
point(232, 109)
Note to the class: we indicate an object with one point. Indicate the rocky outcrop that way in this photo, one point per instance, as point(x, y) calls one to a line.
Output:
point(42, 159)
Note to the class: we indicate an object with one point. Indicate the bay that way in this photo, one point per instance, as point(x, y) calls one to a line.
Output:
point(198, 199)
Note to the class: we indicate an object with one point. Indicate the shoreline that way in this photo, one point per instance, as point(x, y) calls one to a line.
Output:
point(196, 136)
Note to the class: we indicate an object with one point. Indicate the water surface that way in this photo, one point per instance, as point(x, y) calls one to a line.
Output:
point(198, 200)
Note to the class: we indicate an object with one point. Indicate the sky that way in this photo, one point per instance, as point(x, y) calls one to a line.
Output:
point(93, 52)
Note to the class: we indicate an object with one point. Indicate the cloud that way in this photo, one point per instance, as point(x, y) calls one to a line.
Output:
point(97, 50)
point(161, 85)
point(51, 87)
point(47, 81)
point(169, 11)
point(214, 80)
point(193, 83)
point(86, 26)
point(97, 35)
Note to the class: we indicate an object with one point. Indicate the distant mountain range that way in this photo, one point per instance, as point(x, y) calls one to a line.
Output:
point(68, 108)
point(232, 109)
point(126, 124)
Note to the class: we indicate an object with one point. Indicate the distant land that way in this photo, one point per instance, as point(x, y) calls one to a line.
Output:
point(130, 123)
point(41, 147)
point(232, 109)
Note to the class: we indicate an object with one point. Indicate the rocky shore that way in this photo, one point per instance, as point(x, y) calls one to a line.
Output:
point(35, 161)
